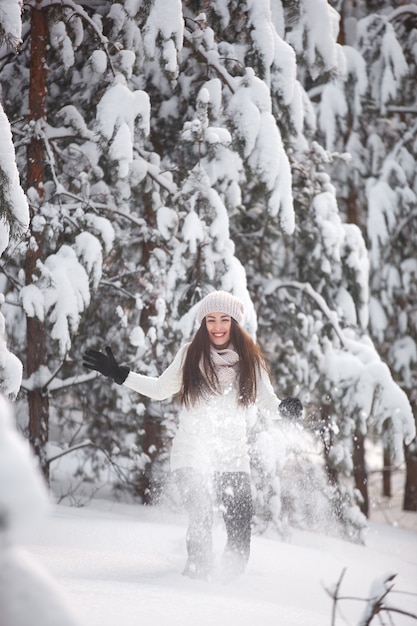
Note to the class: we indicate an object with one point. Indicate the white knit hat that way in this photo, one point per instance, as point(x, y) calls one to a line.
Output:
point(221, 302)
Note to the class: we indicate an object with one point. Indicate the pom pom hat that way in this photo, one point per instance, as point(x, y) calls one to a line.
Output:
point(221, 302)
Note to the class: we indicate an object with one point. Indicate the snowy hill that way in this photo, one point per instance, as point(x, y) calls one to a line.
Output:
point(121, 564)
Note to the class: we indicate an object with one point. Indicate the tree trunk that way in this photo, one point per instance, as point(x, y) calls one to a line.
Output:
point(387, 474)
point(410, 490)
point(152, 437)
point(149, 488)
point(359, 470)
point(327, 437)
point(35, 330)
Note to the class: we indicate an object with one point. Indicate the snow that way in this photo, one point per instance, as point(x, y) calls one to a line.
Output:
point(378, 318)
point(71, 117)
point(193, 231)
point(11, 194)
point(331, 230)
point(104, 229)
point(10, 20)
point(110, 562)
point(356, 67)
point(167, 221)
point(88, 248)
point(395, 66)
point(368, 380)
point(118, 113)
point(333, 113)
point(250, 107)
point(23, 497)
point(98, 61)
point(381, 216)
point(403, 355)
point(164, 29)
point(10, 366)
point(315, 34)
point(263, 33)
point(61, 41)
point(122, 563)
point(63, 291)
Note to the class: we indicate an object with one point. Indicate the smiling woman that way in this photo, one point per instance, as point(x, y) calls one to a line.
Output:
point(219, 376)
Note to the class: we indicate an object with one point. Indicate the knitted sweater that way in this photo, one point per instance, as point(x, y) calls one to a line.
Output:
point(212, 434)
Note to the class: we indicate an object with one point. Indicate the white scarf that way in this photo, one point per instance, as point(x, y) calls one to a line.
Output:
point(226, 365)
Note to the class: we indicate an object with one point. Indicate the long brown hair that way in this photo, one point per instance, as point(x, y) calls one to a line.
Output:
point(199, 376)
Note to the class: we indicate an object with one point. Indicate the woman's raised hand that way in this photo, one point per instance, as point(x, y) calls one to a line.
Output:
point(106, 364)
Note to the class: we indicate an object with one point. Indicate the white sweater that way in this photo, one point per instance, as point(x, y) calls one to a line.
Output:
point(211, 435)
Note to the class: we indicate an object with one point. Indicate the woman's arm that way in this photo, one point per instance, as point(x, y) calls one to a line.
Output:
point(289, 408)
point(267, 400)
point(159, 387)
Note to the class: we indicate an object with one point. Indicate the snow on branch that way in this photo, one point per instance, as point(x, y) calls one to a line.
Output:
point(361, 381)
point(155, 173)
point(11, 23)
point(404, 10)
point(401, 109)
point(78, 10)
point(376, 603)
point(308, 289)
point(211, 59)
point(11, 367)
point(61, 292)
point(58, 384)
point(163, 34)
point(14, 209)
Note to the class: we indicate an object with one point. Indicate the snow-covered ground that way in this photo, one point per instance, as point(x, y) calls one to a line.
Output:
point(121, 564)
point(114, 564)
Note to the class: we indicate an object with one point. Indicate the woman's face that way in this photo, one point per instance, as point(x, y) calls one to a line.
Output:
point(218, 327)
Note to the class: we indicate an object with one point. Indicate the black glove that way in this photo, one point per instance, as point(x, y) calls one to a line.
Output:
point(106, 364)
point(291, 408)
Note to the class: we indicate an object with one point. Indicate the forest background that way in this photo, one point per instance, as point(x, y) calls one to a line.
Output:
point(166, 148)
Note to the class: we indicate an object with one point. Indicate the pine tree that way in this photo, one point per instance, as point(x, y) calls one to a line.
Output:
point(369, 112)
point(109, 254)
point(181, 155)
point(334, 283)
point(77, 167)
point(14, 214)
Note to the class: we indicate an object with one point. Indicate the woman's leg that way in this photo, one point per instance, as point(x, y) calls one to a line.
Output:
point(235, 497)
point(196, 494)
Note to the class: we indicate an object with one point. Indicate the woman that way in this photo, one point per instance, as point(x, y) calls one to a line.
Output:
point(220, 376)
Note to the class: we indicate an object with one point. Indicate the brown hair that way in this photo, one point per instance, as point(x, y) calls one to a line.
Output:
point(199, 376)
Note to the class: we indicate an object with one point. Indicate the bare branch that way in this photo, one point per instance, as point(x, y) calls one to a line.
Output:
point(109, 283)
point(79, 379)
point(89, 444)
point(335, 595)
point(84, 444)
point(375, 604)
